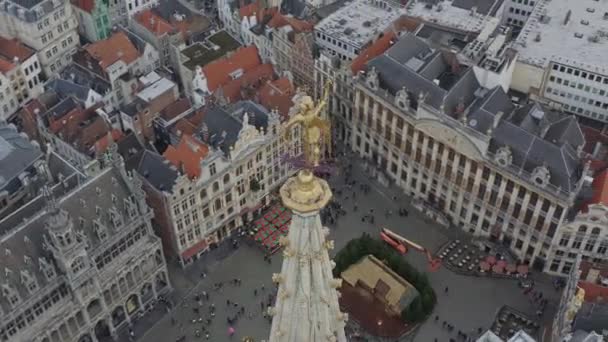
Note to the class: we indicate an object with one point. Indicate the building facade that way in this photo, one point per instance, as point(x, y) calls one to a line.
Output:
point(93, 19)
point(49, 27)
point(293, 52)
point(216, 184)
point(585, 235)
point(85, 265)
point(560, 57)
point(517, 12)
point(464, 162)
point(20, 76)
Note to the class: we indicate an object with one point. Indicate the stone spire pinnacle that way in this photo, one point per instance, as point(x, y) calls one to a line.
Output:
point(306, 307)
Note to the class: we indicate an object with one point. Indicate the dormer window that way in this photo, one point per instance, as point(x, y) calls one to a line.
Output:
point(29, 281)
point(541, 176)
point(47, 269)
point(115, 218)
point(10, 294)
point(100, 230)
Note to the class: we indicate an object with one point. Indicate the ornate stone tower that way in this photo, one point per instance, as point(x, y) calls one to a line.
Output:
point(306, 307)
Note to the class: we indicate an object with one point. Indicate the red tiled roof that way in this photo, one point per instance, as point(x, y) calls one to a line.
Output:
point(376, 49)
point(218, 72)
point(11, 48)
point(6, 66)
point(153, 22)
point(190, 252)
point(277, 94)
point(187, 155)
point(600, 188)
point(102, 144)
point(233, 90)
point(298, 25)
point(116, 47)
point(176, 108)
point(249, 10)
point(85, 5)
point(593, 291)
point(382, 44)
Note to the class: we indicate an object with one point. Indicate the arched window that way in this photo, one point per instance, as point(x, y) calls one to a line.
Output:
point(77, 265)
point(226, 178)
point(217, 205)
point(216, 187)
point(582, 229)
point(203, 193)
point(596, 231)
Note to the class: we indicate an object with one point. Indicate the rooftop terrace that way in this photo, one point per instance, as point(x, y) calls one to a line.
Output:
point(464, 15)
point(360, 21)
point(203, 53)
point(564, 31)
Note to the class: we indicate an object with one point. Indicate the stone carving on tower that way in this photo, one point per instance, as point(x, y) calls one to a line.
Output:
point(306, 308)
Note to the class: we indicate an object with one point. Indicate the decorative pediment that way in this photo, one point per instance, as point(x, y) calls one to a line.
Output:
point(372, 80)
point(402, 99)
point(541, 176)
point(100, 230)
point(503, 156)
point(115, 217)
point(46, 268)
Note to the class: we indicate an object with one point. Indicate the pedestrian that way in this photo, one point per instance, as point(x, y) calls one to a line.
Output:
point(255, 292)
point(445, 290)
point(227, 302)
point(436, 318)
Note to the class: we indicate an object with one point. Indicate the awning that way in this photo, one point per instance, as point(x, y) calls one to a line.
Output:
point(190, 252)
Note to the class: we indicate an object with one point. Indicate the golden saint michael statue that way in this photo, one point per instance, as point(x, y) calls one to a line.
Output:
point(305, 192)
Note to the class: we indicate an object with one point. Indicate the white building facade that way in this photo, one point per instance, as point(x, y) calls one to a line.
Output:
point(49, 27)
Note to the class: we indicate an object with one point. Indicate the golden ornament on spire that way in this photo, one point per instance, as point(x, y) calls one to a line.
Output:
point(316, 131)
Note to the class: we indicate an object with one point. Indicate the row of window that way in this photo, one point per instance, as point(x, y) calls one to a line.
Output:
point(30, 314)
point(519, 12)
point(119, 247)
point(525, 2)
point(581, 74)
point(46, 22)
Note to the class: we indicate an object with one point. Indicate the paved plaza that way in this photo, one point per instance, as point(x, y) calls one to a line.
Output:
point(471, 302)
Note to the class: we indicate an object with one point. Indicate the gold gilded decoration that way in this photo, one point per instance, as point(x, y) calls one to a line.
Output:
point(305, 192)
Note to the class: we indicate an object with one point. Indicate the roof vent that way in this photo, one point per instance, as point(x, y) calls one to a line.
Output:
point(567, 18)
point(578, 35)
point(585, 22)
point(537, 38)
point(367, 23)
point(590, 9)
point(594, 39)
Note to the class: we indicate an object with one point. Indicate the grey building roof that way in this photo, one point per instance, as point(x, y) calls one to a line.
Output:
point(534, 135)
point(130, 149)
point(224, 125)
point(26, 243)
point(156, 170)
point(83, 77)
point(591, 317)
point(65, 88)
point(17, 154)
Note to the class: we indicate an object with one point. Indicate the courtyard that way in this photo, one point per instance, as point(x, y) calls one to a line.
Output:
point(471, 303)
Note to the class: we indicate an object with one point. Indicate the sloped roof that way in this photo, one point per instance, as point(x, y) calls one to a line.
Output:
point(85, 5)
point(112, 49)
point(25, 242)
point(233, 91)
point(157, 170)
point(102, 144)
point(187, 156)
point(153, 22)
point(600, 189)
point(176, 108)
point(6, 66)
point(277, 95)
point(375, 49)
point(219, 72)
point(17, 153)
point(13, 47)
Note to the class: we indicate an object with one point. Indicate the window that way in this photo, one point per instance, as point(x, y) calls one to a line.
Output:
point(203, 194)
point(212, 169)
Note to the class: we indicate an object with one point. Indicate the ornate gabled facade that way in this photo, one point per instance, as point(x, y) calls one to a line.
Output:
point(466, 152)
point(220, 176)
point(82, 266)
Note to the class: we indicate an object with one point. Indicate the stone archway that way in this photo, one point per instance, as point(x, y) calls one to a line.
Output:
point(160, 281)
point(132, 304)
point(102, 330)
point(118, 316)
point(94, 308)
point(146, 292)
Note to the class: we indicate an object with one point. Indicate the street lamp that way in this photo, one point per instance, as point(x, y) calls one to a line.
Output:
point(380, 327)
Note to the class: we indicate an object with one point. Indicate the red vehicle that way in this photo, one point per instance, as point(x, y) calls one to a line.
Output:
point(399, 243)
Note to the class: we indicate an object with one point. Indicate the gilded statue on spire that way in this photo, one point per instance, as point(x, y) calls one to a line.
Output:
point(316, 131)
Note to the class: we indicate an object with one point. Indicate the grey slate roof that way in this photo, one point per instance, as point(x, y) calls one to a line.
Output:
point(156, 170)
point(17, 154)
point(65, 88)
point(535, 136)
point(591, 317)
point(83, 77)
point(25, 243)
point(224, 125)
